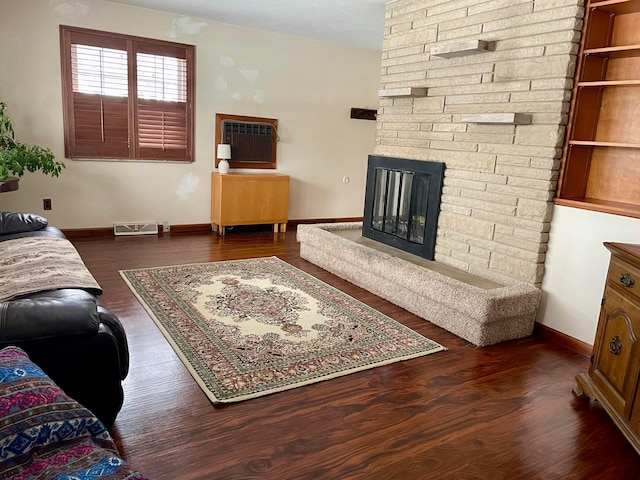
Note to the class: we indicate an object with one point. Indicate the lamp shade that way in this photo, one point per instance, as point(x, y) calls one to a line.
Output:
point(224, 151)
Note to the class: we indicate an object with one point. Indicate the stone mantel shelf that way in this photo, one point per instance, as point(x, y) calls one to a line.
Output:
point(460, 49)
point(497, 118)
point(403, 92)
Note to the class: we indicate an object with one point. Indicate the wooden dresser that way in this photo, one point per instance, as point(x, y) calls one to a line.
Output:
point(249, 199)
point(613, 378)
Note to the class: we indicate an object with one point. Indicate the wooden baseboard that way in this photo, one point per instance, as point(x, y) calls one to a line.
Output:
point(87, 232)
point(553, 336)
point(192, 228)
point(294, 223)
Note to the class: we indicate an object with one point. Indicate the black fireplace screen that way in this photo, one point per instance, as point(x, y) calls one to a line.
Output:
point(402, 203)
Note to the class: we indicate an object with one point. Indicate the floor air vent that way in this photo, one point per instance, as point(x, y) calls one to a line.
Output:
point(140, 228)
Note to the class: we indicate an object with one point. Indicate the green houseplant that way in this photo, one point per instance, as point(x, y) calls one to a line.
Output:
point(16, 157)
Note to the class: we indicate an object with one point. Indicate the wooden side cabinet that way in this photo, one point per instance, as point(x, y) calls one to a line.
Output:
point(249, 199)
point(613, 378)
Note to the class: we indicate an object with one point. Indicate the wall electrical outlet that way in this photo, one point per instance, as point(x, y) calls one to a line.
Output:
point(46, 204)
point(165, 226)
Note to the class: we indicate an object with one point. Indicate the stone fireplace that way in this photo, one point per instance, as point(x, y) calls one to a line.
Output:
point(402, 203)
point(484, 88)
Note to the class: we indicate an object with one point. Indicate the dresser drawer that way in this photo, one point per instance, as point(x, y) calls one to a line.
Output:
point(625, 276)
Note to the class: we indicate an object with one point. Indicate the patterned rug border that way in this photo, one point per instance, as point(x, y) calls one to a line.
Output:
point(287, 386)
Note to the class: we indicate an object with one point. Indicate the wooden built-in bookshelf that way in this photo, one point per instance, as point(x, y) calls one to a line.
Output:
point(601, 161)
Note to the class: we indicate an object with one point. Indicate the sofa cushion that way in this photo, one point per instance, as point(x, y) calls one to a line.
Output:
point(46, 434)
point(14, 222)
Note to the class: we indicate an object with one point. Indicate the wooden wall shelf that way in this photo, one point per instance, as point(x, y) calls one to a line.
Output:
point(589, 143)
point(9, 184)
point(615, 52)
point(617, 7)
point(603, 206)
point(610, 83)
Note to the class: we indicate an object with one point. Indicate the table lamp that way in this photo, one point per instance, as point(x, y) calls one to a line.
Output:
point(224, 154)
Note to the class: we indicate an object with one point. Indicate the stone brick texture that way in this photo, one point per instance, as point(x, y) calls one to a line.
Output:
point(500, 180)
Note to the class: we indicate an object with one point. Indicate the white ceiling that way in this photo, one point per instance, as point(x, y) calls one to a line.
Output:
point(356, 23)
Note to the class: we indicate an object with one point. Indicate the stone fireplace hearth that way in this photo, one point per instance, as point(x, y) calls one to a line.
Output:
point(481, 311)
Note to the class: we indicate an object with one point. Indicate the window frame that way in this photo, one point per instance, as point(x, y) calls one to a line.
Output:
point(134, 45)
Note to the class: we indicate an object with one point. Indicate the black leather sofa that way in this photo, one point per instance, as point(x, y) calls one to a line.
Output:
point(79, 343)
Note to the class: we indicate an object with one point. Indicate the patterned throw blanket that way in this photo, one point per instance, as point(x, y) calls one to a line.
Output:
point(35, 264)
point(46, 435)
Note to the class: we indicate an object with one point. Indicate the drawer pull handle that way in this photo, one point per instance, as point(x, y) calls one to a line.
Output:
point(627, 280)
point(615, 345)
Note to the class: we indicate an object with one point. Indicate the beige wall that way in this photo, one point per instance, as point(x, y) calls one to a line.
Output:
point(576, 268)
point(309, 86)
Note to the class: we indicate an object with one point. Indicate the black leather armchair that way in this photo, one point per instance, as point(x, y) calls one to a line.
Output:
point(80, 344)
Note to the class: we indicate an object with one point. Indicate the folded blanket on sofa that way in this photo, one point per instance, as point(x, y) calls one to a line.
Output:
point(44, 434)
point(36, 264)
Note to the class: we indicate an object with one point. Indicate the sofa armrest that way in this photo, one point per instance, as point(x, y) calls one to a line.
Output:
point(109, 320)
point(88, 369)
point(43, 232)
point(49, 314)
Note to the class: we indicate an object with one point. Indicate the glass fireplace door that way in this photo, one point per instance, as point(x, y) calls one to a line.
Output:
point(402, 204)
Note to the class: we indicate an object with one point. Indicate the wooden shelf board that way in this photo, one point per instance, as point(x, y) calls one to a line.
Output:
point(604, 206)
point(590, 143)
point(615, 52)
point(617, 7)
point(9, 184)
point(610, 83)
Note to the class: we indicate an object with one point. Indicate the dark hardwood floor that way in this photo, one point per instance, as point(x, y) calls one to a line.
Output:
point(500, 412)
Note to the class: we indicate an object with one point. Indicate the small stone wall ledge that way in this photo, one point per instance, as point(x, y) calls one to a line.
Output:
point(482, 316)
point(461, 48)
point(497, 118)
point(403, 92)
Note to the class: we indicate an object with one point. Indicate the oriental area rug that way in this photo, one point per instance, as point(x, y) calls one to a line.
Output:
point(247, 328)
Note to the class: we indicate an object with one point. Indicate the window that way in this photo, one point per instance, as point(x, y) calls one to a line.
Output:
point(252, 139)
point(126, 97)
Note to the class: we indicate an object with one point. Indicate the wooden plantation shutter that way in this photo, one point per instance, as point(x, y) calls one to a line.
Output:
point(162, 109)
point(126, 97)
point(99, 92)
